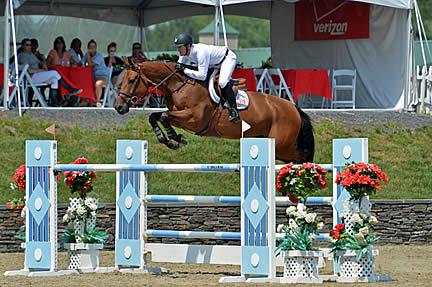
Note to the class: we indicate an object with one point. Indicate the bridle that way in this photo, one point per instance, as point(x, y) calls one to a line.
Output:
point(134, 100)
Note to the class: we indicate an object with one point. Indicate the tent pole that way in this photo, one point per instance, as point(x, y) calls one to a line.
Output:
point(6, 57)
point(223, 23)
point(16, 57)
point(216, 24)
point(409, 73)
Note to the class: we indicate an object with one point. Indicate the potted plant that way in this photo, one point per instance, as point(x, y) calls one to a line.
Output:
point(300, 258)
point(355, 251)
point(82, 240)
point(299, 182)
point(360, 180)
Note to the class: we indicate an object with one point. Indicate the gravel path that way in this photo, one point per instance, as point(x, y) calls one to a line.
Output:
point(102, 118)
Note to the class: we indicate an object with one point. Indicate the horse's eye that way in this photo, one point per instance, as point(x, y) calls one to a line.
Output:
point(131, 81)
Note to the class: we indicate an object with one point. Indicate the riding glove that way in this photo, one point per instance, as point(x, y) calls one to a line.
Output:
point(179, 67)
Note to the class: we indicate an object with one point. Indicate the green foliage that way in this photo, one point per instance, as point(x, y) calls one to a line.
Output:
point(300, 240)
point(93, 235)
point(253, 32)
point(22, 234)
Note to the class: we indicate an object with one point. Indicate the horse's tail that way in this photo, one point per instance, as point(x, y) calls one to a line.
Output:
point(305, 144)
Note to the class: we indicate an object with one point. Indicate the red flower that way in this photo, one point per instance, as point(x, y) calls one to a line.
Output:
point(335, 233)
point(292, 198)
point(340, 226)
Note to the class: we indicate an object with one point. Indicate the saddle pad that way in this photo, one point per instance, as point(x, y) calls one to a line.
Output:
point(242, 98)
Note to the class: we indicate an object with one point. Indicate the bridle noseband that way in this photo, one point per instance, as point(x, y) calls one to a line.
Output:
point(134, 100)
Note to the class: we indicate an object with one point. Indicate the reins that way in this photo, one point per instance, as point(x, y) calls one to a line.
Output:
point(134, 100)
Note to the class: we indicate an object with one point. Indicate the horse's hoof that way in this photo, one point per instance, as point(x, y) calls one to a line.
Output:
point(172, 144)
point(162, 140)
point(182, 139)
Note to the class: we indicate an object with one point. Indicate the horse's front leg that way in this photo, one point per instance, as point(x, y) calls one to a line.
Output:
point(153, 119)
point(172, 135)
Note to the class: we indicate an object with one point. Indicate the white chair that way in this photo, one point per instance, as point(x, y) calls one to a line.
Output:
point(24, 83)
point(261, 80)
point(343, 81)
point(281, 90)
point(110, 94)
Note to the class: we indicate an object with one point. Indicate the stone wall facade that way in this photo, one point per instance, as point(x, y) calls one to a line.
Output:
point(401, 221)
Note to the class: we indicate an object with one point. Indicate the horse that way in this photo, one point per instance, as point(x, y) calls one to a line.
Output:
point(190, 108)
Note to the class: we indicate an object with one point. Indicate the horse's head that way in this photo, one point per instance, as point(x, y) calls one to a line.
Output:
point(133, 84)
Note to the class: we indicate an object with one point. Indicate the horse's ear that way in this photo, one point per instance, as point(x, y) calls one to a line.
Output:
point(133, 64)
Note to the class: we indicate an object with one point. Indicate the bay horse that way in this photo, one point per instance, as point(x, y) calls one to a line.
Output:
point(190, 108)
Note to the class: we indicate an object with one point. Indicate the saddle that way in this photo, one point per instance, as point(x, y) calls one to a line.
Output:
point(236, 85)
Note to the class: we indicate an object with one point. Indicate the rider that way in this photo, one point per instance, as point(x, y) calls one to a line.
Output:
point(206, 56)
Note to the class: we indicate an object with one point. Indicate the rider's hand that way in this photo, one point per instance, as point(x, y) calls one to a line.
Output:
point(179, 67)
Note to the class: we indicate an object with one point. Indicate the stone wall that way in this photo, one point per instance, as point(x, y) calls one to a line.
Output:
point(401, 221)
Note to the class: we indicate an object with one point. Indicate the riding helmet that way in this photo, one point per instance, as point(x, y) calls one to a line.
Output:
point(183, 38)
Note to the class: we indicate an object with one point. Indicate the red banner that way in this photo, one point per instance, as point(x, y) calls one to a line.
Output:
point(331, 20)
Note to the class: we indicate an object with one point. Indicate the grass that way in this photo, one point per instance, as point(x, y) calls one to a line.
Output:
point(403, 154)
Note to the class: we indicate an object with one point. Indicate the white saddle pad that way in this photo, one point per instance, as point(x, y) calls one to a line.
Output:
point(242, 98)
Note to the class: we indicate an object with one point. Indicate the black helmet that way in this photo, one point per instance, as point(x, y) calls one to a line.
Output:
point(182, 39)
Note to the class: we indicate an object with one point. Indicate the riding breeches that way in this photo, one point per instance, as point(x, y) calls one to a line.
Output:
point(49, 77)
point(226, 69)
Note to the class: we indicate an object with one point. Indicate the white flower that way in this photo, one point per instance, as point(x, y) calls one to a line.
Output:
point(364, 230)
point(291, 210)
point(93, 213)
point(301, 207)
point(301, 214)
point(292, 181)
point(356, 218)
point(312, 236)
point(12, 186)
point(88, 201)
point(92, 206)
point(320, 225)
point(24, 212)
point(373, 220)
point(81, 210)
point(279, 228)
point(66, 218)
point(310, 217)
point(293, 225)
point(360, 238)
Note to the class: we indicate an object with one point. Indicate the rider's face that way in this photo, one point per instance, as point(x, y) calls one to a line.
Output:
point(182, 50)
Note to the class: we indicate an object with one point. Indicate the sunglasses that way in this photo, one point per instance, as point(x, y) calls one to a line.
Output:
point(136, 48)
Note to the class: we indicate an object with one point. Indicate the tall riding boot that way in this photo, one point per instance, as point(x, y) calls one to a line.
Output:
point(228, 94)
point(53, 97)
point(71, 90)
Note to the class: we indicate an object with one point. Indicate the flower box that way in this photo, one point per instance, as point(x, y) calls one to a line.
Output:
point(352, 271)
point(301, 266)
point(83, 256)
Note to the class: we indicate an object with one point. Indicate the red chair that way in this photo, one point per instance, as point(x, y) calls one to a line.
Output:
point(247, 74)
point(1, 78)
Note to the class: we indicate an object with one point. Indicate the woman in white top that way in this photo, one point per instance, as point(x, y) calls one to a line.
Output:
point(205, 56)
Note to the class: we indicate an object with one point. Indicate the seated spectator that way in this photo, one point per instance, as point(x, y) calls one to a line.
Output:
point(75, 51)
point(40, 74)
point(58, 56)
point(100, 70)
point(34, 50)
point(137, 54)
point(114, 61)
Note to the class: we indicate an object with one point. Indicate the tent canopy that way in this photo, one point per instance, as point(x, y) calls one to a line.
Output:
point(149, 12)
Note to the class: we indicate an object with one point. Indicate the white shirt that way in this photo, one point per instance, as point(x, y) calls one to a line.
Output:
point(203, 56)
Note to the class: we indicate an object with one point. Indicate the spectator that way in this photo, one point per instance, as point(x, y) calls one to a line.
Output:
point(137, 54)
point(34, 50)
point(114, 61)
point(100, 70)
point(58, 56)
point(76, 52)
point(40, 74)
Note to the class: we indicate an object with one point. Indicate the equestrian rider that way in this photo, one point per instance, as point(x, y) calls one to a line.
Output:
point(206, 56)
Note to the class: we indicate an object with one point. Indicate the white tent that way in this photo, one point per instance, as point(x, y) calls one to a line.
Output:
point(382, 61)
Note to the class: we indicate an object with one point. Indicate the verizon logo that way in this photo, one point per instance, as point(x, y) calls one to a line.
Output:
point(332, 28)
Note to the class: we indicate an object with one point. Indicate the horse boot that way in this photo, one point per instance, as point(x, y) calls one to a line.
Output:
point(228, 94)
point(71, 90)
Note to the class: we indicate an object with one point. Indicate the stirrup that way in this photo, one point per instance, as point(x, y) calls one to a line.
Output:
point(234, 116)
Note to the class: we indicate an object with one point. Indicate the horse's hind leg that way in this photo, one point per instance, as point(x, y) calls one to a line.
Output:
point(172, 135)
point(153, 119)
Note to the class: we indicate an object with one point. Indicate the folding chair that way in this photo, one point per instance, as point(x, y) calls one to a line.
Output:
point(24, 83)
point(110, 94)
point(277, 84)
point(343, 81)
point(261, 79)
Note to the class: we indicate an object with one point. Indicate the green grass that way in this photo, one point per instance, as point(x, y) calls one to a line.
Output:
point(403, 155)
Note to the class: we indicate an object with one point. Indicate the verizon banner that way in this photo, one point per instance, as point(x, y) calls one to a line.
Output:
point(331, 20)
